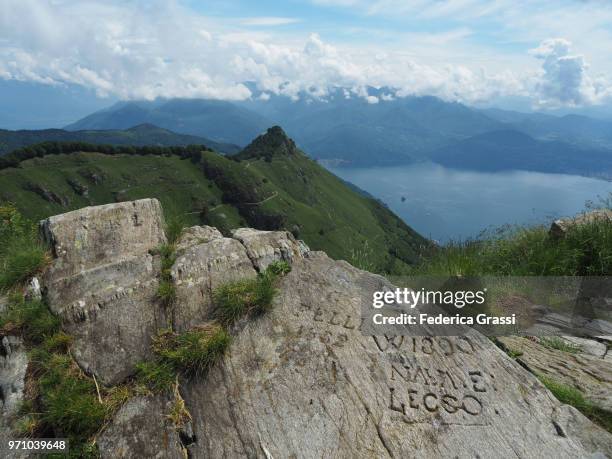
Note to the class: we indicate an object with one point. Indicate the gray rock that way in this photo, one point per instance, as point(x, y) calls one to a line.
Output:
point(141, 429)
point(33, 290)
point(587, 346)
point(103, 282)
point(589, 374)
point(197, 235)
point(92, 236)
point(13, 367)
point(570, 422)
point(200, 269)
point(265, 247)
point(560, 227)
point(304, 381)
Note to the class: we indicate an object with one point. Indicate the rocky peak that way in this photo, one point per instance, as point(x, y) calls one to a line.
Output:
point(302, 380)
point(273, 143)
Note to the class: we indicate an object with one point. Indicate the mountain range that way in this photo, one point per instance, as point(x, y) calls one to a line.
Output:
point(353, 132)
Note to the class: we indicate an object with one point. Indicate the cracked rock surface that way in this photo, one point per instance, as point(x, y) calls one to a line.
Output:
point(301, 381)
point(591, 374)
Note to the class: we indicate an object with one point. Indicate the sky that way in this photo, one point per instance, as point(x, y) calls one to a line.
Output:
point(537, 54)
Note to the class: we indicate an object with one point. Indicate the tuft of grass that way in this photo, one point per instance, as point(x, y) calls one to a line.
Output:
point(559, 344)
point(191, 353)
point(279, 268)
point(21, 262)
point(31, 319)
point(175, 224)
point(247, 296)
point(194, 351)
point(59, 342)
point(157, 376)
point(166, 290)
point(572, 396)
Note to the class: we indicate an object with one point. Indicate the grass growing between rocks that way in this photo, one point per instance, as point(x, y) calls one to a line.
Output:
point(248, 296)
point(190, 353)
point(166, 291)
point(194, 352)
point(572, 396)
point(559, 344)
point(60, 400)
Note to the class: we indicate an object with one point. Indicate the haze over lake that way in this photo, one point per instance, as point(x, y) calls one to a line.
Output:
point(445, 204)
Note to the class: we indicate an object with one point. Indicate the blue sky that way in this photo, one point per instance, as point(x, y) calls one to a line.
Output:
point(536, 54)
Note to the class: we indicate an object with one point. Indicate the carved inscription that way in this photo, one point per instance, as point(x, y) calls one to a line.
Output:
point(427, 345)
point(429, 381)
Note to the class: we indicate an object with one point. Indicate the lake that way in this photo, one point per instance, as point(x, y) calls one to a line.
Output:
point(445, 204)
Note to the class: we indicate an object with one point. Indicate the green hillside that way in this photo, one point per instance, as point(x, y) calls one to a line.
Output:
point(143, 134)
point(268, 188)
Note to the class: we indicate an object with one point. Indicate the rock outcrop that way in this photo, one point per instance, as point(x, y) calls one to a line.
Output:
point(300, 381)
point(559, 228)
point(590, 374)
point(103, 281)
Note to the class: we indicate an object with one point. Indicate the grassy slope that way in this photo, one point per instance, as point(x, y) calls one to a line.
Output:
point(586, 250)
point(353, 227)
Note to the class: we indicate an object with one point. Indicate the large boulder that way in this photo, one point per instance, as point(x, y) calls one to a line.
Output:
point(103, 283)
point(305, 381)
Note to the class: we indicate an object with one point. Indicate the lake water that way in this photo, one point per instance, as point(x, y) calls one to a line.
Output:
point(445, 204)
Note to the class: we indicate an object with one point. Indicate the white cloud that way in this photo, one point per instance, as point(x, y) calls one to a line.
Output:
point(564, 79)
point(143, 50)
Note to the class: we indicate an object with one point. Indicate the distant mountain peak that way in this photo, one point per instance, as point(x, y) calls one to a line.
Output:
point(274, 142)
